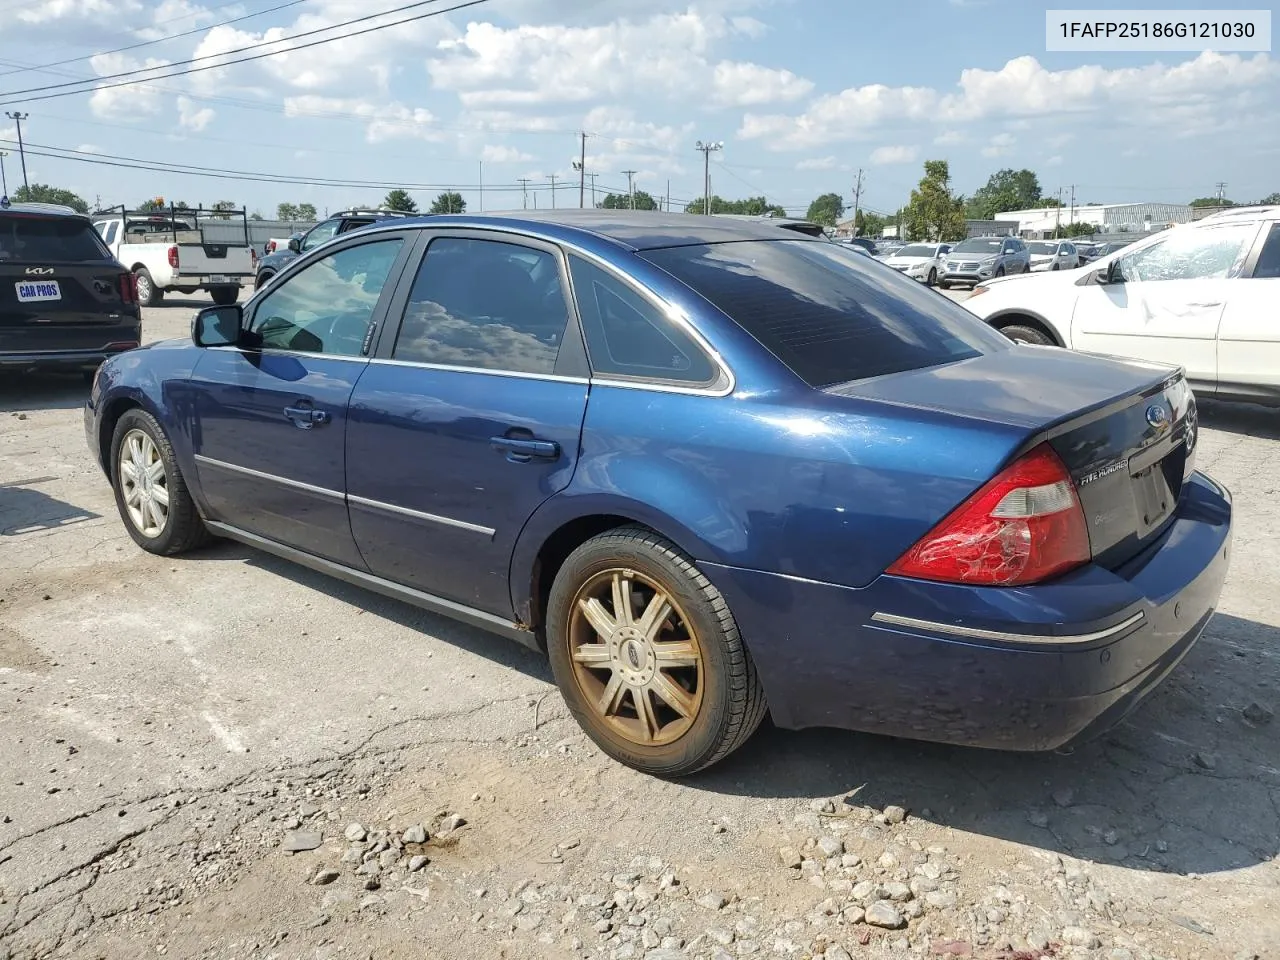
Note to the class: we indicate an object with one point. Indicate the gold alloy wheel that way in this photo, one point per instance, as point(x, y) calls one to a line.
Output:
point(636, 658)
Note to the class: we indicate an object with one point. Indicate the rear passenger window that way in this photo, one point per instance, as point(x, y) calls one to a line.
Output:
point(57, 239)
point(1269, 260)
point(627, 336)
point(485, 304)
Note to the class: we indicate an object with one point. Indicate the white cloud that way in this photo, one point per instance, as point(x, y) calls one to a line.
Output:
point(817, 163)
point(950, 138)
point(1155, 94)
point(1054, 161)
point(126, 103)
point(882, 156)
point(88, 148)
point(164, 16)
point(665, 55)
point(193, 117)
point(999, 145)
point(386, 121)
point(498, 153)
point(51, 10)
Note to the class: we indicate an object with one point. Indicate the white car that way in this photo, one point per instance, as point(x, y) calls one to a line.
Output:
point(1204, 296)
point(1053, 255)
point(920, 261)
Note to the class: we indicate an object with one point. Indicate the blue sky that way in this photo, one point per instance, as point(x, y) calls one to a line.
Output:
point(802, 92)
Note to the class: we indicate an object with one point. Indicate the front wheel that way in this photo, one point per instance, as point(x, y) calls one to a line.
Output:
point(262, 278)
point(1019, 333)
point(151, 495)
point(999, 272)
point(225, 296)
point(648, 656)
point(944, 284)
point(932, 279)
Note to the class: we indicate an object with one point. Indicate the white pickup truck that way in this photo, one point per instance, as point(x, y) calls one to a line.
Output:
point(180, 249)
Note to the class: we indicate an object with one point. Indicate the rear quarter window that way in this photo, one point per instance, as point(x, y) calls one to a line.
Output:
point(830, 315)
point(27, 238)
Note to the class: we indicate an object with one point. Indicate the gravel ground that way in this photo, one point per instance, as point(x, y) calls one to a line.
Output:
point(225, 756)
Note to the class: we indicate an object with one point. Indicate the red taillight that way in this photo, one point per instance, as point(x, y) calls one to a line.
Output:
point(1024, 526)
point(271, 246)
point(128, 288)
point(173, 257)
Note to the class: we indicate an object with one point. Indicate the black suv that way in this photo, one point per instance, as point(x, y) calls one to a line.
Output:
point(65, 301)
point(300, 243)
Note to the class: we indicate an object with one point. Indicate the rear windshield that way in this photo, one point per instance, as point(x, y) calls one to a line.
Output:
point(24, 237)
point(1042, 248)
point(829, 316)
point(917, 250)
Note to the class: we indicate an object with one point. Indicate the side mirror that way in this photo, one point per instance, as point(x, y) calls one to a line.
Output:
point(1111, 273)
point(295, 244)
point(217, 326)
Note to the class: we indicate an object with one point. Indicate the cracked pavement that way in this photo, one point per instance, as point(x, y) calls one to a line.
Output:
point(165, 721)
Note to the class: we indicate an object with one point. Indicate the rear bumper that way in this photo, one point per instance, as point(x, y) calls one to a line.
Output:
point(210, 280)
point(54, 360)
point(1031, 668)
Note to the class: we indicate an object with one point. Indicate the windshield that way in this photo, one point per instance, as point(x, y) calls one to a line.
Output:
point(978, 245)
point(1043, 249)
point(916, 250)
point(24, 237)
point(829, 316)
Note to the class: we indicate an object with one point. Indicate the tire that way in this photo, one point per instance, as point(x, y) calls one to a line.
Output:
point(225, 296)
point(999, 272)
point(1056, 266)
point(262, 278)
point(932, 279)
point(1020, 333)
point(148, 294)
point(944, 284)
point(711, 672)
point(181, 529)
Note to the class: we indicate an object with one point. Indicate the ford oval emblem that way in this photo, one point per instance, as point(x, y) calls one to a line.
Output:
point(1157, 416)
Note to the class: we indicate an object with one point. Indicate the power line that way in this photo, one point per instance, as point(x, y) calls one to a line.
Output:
point(259, 56)
point(172, 36)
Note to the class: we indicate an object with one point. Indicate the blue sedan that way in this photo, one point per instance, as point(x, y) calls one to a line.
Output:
point(712, 468)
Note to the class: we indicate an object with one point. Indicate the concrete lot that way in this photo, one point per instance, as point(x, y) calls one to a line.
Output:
point(168, 724)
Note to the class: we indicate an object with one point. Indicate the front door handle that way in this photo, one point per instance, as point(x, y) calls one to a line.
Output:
point(306, 417)
point(522, 450)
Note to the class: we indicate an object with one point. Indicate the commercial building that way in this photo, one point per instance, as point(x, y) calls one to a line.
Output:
point(1126, 218)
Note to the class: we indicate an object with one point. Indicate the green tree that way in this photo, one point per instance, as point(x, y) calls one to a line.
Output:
point(826, 210)
point(623, 201)
point(1079, 229)
point(286, 211)
point(448, 202)
point(1006, 190)
point(222, 209)
point(1211, 202)
point(751, 206)
point(43, 193)
point(867, 224)
point(1269, 199)
point(152, 205)
point(306, 211)
point(256, 215)
point(934, 212)
point(400, 200)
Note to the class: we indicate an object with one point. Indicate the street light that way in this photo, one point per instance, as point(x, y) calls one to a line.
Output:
point(707, 149)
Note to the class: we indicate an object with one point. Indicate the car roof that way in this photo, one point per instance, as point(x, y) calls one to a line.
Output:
point(634, 230)
point(47, 209)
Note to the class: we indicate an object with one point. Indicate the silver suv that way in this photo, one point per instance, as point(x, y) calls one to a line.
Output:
point(981, 258)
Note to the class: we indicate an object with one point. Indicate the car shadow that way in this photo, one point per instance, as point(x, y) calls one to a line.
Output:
point(29, 391)
point(498, 649)
point(1246, 419)
point(24, 509)
point(1188, 784)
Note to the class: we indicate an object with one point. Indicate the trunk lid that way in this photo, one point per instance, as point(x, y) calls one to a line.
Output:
point(1125, 431)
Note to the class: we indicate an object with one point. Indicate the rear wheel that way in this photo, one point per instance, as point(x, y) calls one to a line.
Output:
point(648, 656)
point(944, 284)
point(151, 495)
point(225, 296)
point(1020, 333)
point(148, 294)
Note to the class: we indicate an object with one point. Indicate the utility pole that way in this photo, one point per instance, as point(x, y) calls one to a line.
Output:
point(1222, 187)
point(1072, 219)
point(524, 191)
point(1057, 217)
point(17, 118)
point(667, 206)
point(4, 183)
point(582, 172)
point(593, 189)
point(631, 187)
point(857, 196)
point(707, 149)
point(481, 186)
point(553, 177)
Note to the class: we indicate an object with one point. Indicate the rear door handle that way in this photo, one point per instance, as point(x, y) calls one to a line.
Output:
point(521, 450)
point(305, 417)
